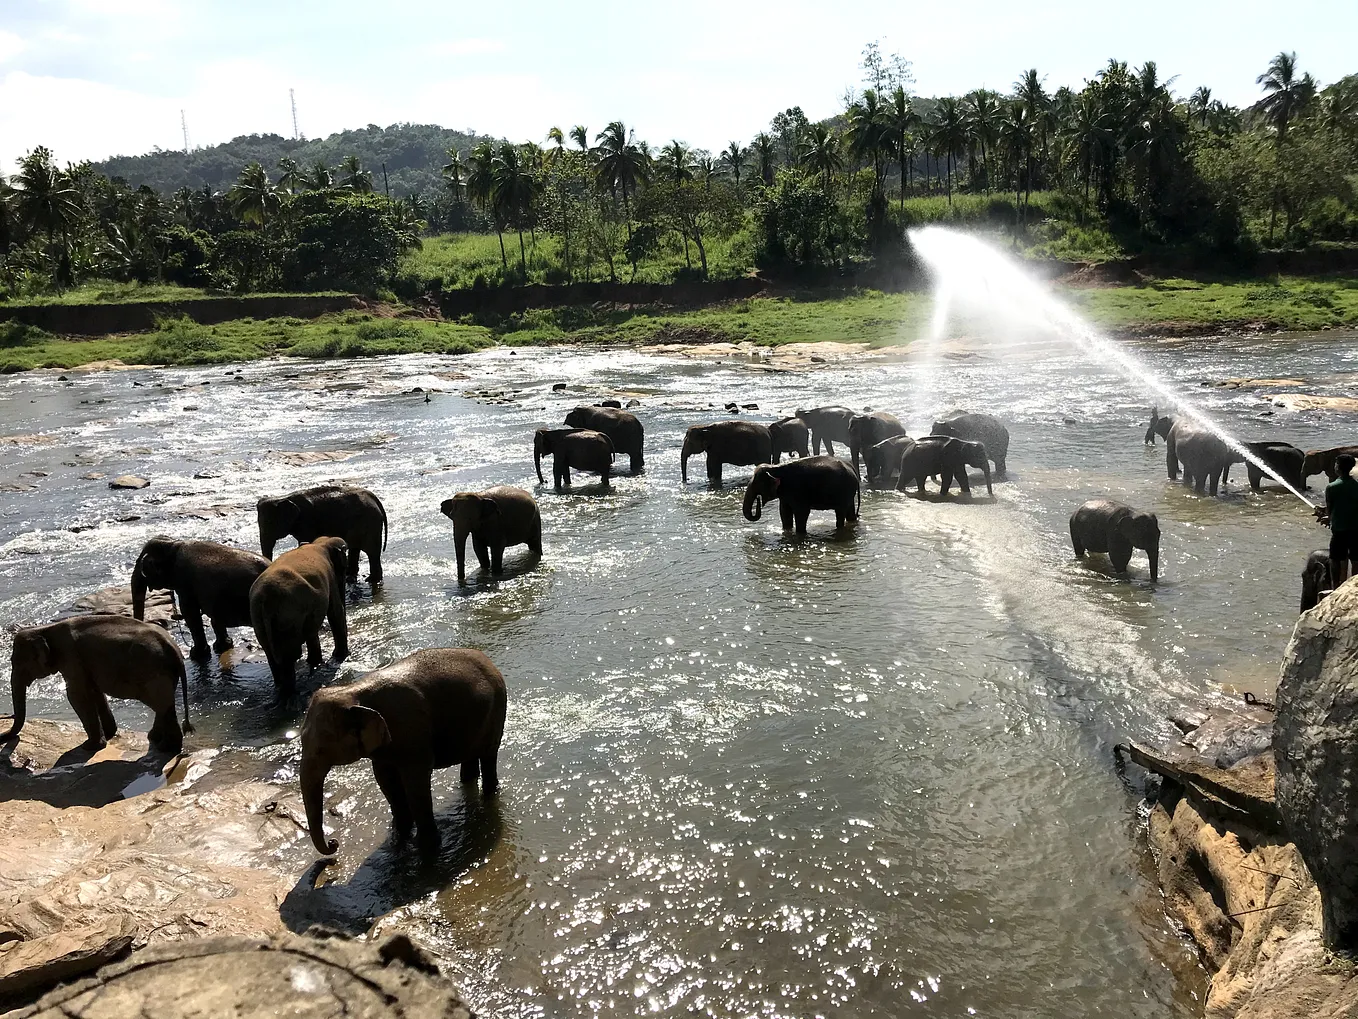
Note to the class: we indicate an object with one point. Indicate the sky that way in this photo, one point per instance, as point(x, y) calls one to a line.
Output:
point(94, 78)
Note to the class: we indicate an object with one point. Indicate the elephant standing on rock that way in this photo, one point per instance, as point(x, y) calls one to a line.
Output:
point(333, 511)
point(790, 435)
point(741, 443)
point(102, 656)
point(207, 578)
point(1318, 461)
point(983, 428)
point(301, 589)
point(827, 424)
point(623, 427)
point(495, 519)
point(866, 430)
point(1205, 457)
point(1158, 426)
point(581, 448)
point(1315, 579)
point(945, 457)
point(883, 461)
point(803, 485)
point(1102, 525)
point(433, 709)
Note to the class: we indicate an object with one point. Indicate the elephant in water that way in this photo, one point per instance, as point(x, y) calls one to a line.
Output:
point(328, 511)
point(946, 457)
point(802, 485)
point(741, 443)
point(622, 427)
point(1319, 461)
point(866, 430)
point(207, 578)
point(983, 428)
point(301, 589)
point(1315, 579)
point(1158, 426)
point(581, 448)
point(496, 518)
point(827, 424)
point(790, 435)
point(882, 463)
point(102, 656)
point(1285, 459)
point(1102, 525)
point(1205, 456)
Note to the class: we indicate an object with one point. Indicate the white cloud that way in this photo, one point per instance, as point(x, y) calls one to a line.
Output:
point(465, 47)
point(10, 46)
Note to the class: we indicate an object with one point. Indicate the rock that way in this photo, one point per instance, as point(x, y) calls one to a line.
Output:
point(205, 475)
point(557, 387)
point(128, 481)
point(750, 406)
point(26, 440)
point(633, 403)
point(1316, 731)
point(190, 406)
point(93, 476)
point(27, 968)
point(117, 601)
point(61, 378)
point(306, 458)
point(126, 518)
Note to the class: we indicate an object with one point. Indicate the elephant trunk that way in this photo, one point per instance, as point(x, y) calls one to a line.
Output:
point(985, 469)
point(1153, 555)
point(683, 460)
point(537, 458)
point(19, 692)
point(460, 532)
point(754, 504)
point(139, 588)
point(313, 797)
point(266, 542)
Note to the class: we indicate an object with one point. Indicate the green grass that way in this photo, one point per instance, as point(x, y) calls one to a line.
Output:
point(1282, 303)
point(1057, 225)
point(112, 292)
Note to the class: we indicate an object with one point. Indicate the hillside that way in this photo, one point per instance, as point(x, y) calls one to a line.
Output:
point(413, 154)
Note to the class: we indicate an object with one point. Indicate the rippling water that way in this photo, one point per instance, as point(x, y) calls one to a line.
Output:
point(744, 774)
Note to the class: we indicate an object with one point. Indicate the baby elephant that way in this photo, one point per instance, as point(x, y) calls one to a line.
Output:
point(208, 579)
point(1315, 579)
point(1102, 525)
point(101, 656)
point(432, 709)
point(300, 590)
point(495, 519)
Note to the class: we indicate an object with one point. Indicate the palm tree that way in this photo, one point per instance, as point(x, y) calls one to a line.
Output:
point(1028, 90)
point(481, 186)
point(580, 135)
point(455, 174)
point(354, 177)
point(254, 198)
point(292, 178)
point(44, 197)
point(622, 165)
point(820, 153)
point(1286, 93)
point(675, 162)
point(1086, 136)
point(765, 156)
point(867, 135)
point(981, 117)
point(1017, 139)
point(514, 191)
point(948, 133)
point(733, 157)
point(1200, 105)
point(901, 122)
point(320, 178)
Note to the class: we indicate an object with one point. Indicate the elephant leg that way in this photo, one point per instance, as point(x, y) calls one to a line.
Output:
point(490, 778)
point(714, 468)
point(839, 518)
point(1119, 552)
point(963, 482)
point(314, 655)
point(1075, 541)
point(471, 771)
point(373, 551)
point(193, 619)
point(785, 514)
point(283, 655)
point(829, 447)
point(801, 516)
point(638, 461)
point(944, 481)
point(605, 475)
point(497, 559)
point(339, 623)
point(223, 641)
point(86, 699)
point(165, 734)
point(479, 546)
point(389, 781)
point(999, 466)
point(417, 779)
point(351, 568)
point(535, 538)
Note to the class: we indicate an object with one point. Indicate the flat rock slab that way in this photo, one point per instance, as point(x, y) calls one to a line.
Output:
point(128, 481)
point(306, 458)
point(117, 601)
point(1304, 401)
point(27, 968)
point(250, 979)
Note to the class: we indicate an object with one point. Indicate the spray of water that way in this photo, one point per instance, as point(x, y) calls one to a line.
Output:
point(966, 268)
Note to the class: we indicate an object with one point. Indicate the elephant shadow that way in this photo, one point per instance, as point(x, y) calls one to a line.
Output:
point(953, 496)
point(72, 782)
point(397, 872)
point(515, 565)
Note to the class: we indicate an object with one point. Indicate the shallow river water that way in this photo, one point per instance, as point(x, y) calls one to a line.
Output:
point(744, 774)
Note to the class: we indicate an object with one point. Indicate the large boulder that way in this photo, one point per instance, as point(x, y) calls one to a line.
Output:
point(1315, 748)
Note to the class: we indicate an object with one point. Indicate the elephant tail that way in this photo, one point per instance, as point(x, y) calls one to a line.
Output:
point(383, 510)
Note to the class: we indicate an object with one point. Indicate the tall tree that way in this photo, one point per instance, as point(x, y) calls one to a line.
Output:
point(948, 134)
point(253, 198)
point(765, 157)
point(46, 201)
point(455, 175)
point(514, 190)
point(901, 123)
point(733, 157)
point(621, 166)
point(1285, 94)
point(292, 178)
point(676, 162)
point(353, 177)
point(820, 153)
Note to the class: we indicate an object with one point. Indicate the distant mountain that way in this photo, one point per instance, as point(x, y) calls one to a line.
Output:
point(413, 153)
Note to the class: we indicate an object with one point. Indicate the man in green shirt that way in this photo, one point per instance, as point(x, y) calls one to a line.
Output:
point(1341, 509)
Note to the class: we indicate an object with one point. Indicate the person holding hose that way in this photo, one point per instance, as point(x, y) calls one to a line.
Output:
point(1341, 513)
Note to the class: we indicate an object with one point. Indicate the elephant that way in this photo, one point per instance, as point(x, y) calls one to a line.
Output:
point(946, 457)
point(301, 589)
point(1205, 457)
point(615, 404)
point(354, 514)
point(866, 430)
point(581, 448)
point(1102, 525)
point(1319, 461)
point(623, 427)
point(802, 485)
point(207, 578)
point(101, 656)
point(726, 442)
point(983, 428)
point(826, 424)
point(883, 461)
point(1285, 458)
point(790, 435)
point(433, 709)
point(496, 518)
point(1158, 426)
point(1315, 579)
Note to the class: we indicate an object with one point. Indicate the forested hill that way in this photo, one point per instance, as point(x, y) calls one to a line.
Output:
point(413, 153)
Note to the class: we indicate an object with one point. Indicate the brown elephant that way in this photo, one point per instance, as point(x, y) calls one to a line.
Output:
point(944, 457)
point(828, 425)
point(208, 579)
point(433, 709)
point(1321, 461)
point(740, 443)
point(301, 589)
point(866, 430)
point(495, 519)
point(802, 485)
point(623, 427)
point(790, 435)
point(102, 656)
point(333, 511)
point(986, 429)
point(1102, 525)
point(581, 448)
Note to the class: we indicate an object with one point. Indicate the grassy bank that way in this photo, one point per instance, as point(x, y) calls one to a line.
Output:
point(114, 292)
point(1167, 307)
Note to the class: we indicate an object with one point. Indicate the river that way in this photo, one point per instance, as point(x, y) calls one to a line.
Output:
point(744, 774)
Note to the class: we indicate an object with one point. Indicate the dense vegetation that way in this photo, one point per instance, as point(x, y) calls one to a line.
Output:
point(1121, 165)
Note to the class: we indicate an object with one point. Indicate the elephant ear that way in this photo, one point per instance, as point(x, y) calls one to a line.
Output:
point(339, 553)
point(490, 509)
point(369, 726)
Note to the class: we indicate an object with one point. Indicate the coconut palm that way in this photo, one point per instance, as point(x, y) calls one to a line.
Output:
point(868, 138)
point(557, 163)
point(481, 186)
point(292, 178)
point(675, 162)
point(1087, 140)
point(44, 198)
point(353, 177)
point(320, 178)
point(455, 174)
point(948, 134)
point(622, 165)
point(1017, 140)
point(821, 154)
point(1200, 106)
point(254, 198)
point(580, 135)
point(981, 115)
point(765, 154)
point(901, 123)
point(514, 190)
point(733, 157)
point(1286, 94)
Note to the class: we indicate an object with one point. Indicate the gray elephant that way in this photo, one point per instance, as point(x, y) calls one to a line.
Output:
point(790, 435)
point(802, 485)
point(882, 464)
point(580, 448)
point(944, 457)
point(983, 428)
point(1321, 461)
point(1102, 525)
point(741, 443)
point(333, 511)
point(433, 709)
point(208, 579)
point(1204, 455)
point(623, 427)
point(1285, 459)
point(827, 425)
point(1315, 579)
point(1158, 426)
point(103, 656)
point(496, 519)
point(301, 589)
point(866, 430)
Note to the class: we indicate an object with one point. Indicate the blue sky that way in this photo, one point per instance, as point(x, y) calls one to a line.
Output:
point(90, 78)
